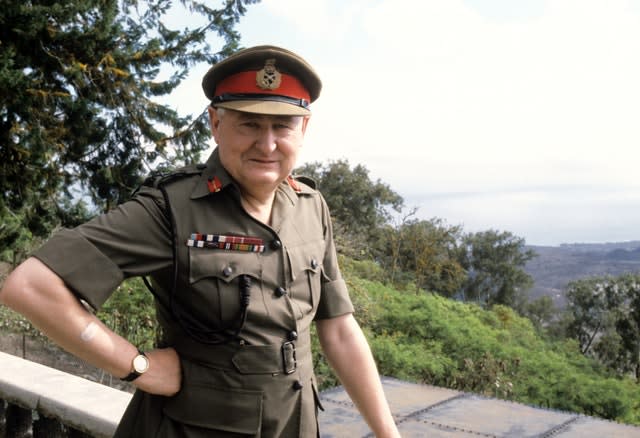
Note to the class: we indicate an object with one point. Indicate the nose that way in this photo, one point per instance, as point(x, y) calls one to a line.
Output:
point(267, 140)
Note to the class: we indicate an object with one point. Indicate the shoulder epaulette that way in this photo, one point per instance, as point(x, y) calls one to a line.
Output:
point(306, 180)
point(157, 179)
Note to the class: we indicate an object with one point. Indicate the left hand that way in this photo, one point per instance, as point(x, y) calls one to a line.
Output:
point(164, 376)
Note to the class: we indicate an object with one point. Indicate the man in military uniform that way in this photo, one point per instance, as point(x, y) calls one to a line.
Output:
point(241, 259)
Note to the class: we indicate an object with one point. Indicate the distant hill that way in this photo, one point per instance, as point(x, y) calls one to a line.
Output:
point(556, 266)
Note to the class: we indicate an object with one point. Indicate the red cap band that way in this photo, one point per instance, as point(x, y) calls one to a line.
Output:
point(245, 83)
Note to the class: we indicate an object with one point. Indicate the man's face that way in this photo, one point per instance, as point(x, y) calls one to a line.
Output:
point(259, 151)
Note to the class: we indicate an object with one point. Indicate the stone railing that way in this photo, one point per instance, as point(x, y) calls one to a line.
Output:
point(38, 401)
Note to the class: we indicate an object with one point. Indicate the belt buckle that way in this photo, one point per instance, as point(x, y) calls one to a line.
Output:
point(289, 357)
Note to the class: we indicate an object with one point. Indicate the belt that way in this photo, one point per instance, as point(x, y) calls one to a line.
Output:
point(246, 359)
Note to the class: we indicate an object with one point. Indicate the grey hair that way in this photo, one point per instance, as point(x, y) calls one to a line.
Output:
point(220, 111)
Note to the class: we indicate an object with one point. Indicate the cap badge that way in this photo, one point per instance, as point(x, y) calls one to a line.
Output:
point(269, 78)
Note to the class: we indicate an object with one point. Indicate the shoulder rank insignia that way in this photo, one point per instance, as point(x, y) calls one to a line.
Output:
point(230, 243)
point(158, 178)
point(294, 185)
point(214, 184)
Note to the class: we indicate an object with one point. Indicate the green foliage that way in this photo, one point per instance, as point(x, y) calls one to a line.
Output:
point(361, 269)
point(130, 312)
point(409, 361)
point(12, 229)
point(358, 205)
point(484, 267)
point(494, 262)
point(426, 250)
point(13, 322)
point(79, 119)
point(427, 338)
point(541, 312)
point(605, 319)
point(591, 303)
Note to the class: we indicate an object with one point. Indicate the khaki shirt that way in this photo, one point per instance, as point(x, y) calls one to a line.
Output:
point(251, 379)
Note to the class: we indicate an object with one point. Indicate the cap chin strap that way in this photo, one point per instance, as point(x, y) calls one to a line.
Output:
point(228, 97)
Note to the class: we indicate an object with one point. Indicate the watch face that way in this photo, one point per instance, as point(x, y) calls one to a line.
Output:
point(140, 363)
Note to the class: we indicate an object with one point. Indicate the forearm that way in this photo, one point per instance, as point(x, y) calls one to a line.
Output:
point(42, 297)
point(349, 355)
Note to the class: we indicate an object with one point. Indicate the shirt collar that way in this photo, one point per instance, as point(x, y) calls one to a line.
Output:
point(214, 178)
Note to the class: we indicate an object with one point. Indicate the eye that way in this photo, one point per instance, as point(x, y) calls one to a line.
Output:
point(285, 123)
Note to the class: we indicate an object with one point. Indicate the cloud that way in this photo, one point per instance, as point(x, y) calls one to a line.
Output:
point(470, 96)
point(440, 84)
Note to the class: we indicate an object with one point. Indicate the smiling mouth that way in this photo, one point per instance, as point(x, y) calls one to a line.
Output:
point(255, 160)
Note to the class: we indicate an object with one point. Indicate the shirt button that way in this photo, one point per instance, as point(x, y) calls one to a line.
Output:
point(293, 335)
point(314, 263)
point(276, 245)
point(297, 385)
point(280, 291)
point(228, 270)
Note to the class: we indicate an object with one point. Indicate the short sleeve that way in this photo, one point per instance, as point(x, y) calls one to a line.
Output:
point(335, 300)
point(94, 258)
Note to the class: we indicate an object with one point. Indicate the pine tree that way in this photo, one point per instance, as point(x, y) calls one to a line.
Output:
point(80, 122)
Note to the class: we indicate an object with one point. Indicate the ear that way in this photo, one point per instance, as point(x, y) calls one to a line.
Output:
point(214, 122)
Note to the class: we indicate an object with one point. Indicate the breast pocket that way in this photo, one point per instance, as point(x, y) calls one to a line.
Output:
point(216, 285)
point(306, 272)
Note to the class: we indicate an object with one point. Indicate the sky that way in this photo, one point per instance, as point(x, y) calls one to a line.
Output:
point(519, 116)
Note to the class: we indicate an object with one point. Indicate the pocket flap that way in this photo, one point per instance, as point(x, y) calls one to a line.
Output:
point(306, 257)
point(231, 410)
point(224, 265)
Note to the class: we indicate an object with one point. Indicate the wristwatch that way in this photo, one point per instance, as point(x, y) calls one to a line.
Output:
point(139, 365)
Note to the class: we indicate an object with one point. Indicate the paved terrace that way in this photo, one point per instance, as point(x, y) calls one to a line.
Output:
point(88, 409)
